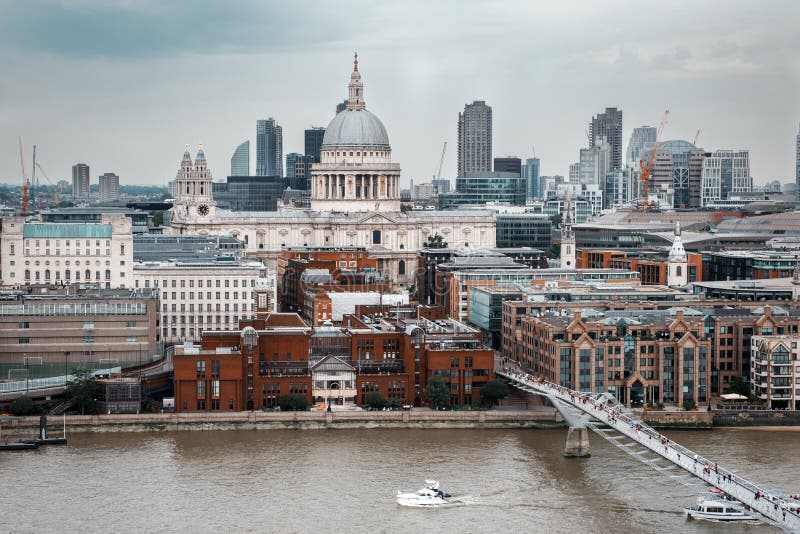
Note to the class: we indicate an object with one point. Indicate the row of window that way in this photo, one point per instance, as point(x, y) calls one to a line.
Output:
point(68, 275)
point(191, 283)
point(84, 339)
point(183, 319)
point(174, 295)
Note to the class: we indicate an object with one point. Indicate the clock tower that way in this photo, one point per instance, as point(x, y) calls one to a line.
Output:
point(194, 199)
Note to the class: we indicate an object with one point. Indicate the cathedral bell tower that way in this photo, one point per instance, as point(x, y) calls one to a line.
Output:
point(194, 199)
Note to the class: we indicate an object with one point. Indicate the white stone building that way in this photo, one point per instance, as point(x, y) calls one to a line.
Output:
point(355, 201)
point(198, 295)
point(99, 253)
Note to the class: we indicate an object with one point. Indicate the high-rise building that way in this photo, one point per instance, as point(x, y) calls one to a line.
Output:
point(475, 138)
point(313, 142)
point(534, 184)
point(595, 162)
point(302, 172)
point(508, 164)
point(278, 150)
point(725, 172)
point(109, 187)
point(80, 181)
point(269, 148)
point(240, 161)
point(575, 174)
point(620, 187)
point(677, 173)
point(641, 138)
point(797, 164)
point(291, 162)
point(608, 126)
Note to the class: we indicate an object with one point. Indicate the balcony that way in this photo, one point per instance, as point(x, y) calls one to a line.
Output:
point(379, 367)
point(283, 369)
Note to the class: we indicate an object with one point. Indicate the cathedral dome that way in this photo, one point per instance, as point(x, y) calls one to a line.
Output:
point(356, 127)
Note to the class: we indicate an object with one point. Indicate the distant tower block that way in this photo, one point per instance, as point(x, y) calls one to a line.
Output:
point(567, 236)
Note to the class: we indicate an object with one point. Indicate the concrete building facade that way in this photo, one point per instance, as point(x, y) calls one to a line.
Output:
point(80, 181)
point(475, 138)
point(109, 187)
point(725, 173)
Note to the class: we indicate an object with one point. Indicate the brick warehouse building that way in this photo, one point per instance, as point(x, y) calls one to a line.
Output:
point(330, 365)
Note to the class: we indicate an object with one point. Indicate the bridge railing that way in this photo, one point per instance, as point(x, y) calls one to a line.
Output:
point(17, 386)
point(770, 505)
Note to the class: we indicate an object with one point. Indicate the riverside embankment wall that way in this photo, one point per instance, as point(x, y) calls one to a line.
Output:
point(291, 420)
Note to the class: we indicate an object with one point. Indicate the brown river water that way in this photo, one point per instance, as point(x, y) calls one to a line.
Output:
point(345, 481)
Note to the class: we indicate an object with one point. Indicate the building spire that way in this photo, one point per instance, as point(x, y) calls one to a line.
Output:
point(355, 98)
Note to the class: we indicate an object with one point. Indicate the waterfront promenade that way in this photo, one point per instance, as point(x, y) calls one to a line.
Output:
point(545, 417)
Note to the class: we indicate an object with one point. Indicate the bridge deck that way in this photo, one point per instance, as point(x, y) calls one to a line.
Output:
point(775, 508)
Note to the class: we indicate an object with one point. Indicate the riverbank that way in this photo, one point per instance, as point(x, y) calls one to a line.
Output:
point(422, 418)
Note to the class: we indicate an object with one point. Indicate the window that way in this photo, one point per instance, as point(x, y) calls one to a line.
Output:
point(24, 325)
point(401, 267)
point(23, 340)
point(376, 237)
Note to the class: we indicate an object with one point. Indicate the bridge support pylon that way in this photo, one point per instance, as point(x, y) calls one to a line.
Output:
point(577, 443)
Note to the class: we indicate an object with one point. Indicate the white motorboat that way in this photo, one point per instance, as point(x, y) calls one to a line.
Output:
point(718, 510)
point(430, 495)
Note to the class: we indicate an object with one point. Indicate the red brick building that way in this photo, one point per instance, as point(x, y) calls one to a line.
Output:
point(330, 365)
point(652, 270)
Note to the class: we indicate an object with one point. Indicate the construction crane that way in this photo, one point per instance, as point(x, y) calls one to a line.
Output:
point(56, 187)
point(647, 168)
point(694, 142)
point(34, 182)
point(441, 161)
point(25, 184)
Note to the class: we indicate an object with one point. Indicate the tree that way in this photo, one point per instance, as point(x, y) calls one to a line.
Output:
point(65, 204)
point(738, 385)
point(405, 207)
point(553, 252)
point(82, 390)
point(435, 241)
point(556, 220)
point(24, 406)
point(493, 391)
point(437, 392)
point(376, 401)
point(293, 402)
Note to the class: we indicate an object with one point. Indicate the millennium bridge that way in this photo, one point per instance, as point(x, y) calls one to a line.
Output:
point(604, 415)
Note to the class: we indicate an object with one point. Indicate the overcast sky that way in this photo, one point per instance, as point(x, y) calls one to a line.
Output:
point(123, 84)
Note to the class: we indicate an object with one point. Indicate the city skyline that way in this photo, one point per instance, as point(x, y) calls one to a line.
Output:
point(740, 91)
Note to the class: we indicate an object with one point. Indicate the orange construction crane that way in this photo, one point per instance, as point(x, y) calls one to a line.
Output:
point(24, 180)
point(644, 176)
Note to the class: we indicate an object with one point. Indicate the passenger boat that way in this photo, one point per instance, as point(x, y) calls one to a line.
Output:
point(718, 510)
point(430, 495)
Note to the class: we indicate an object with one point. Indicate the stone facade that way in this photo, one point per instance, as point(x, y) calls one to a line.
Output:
point(100, 254)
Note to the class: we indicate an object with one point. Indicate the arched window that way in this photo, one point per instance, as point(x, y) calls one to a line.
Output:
point(88, 275)
point(678, 271)
point(108, 274)
point(47, 274)
point(401, 267)
point(27, 274)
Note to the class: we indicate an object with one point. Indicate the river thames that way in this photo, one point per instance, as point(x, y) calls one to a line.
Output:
point(346, 480)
